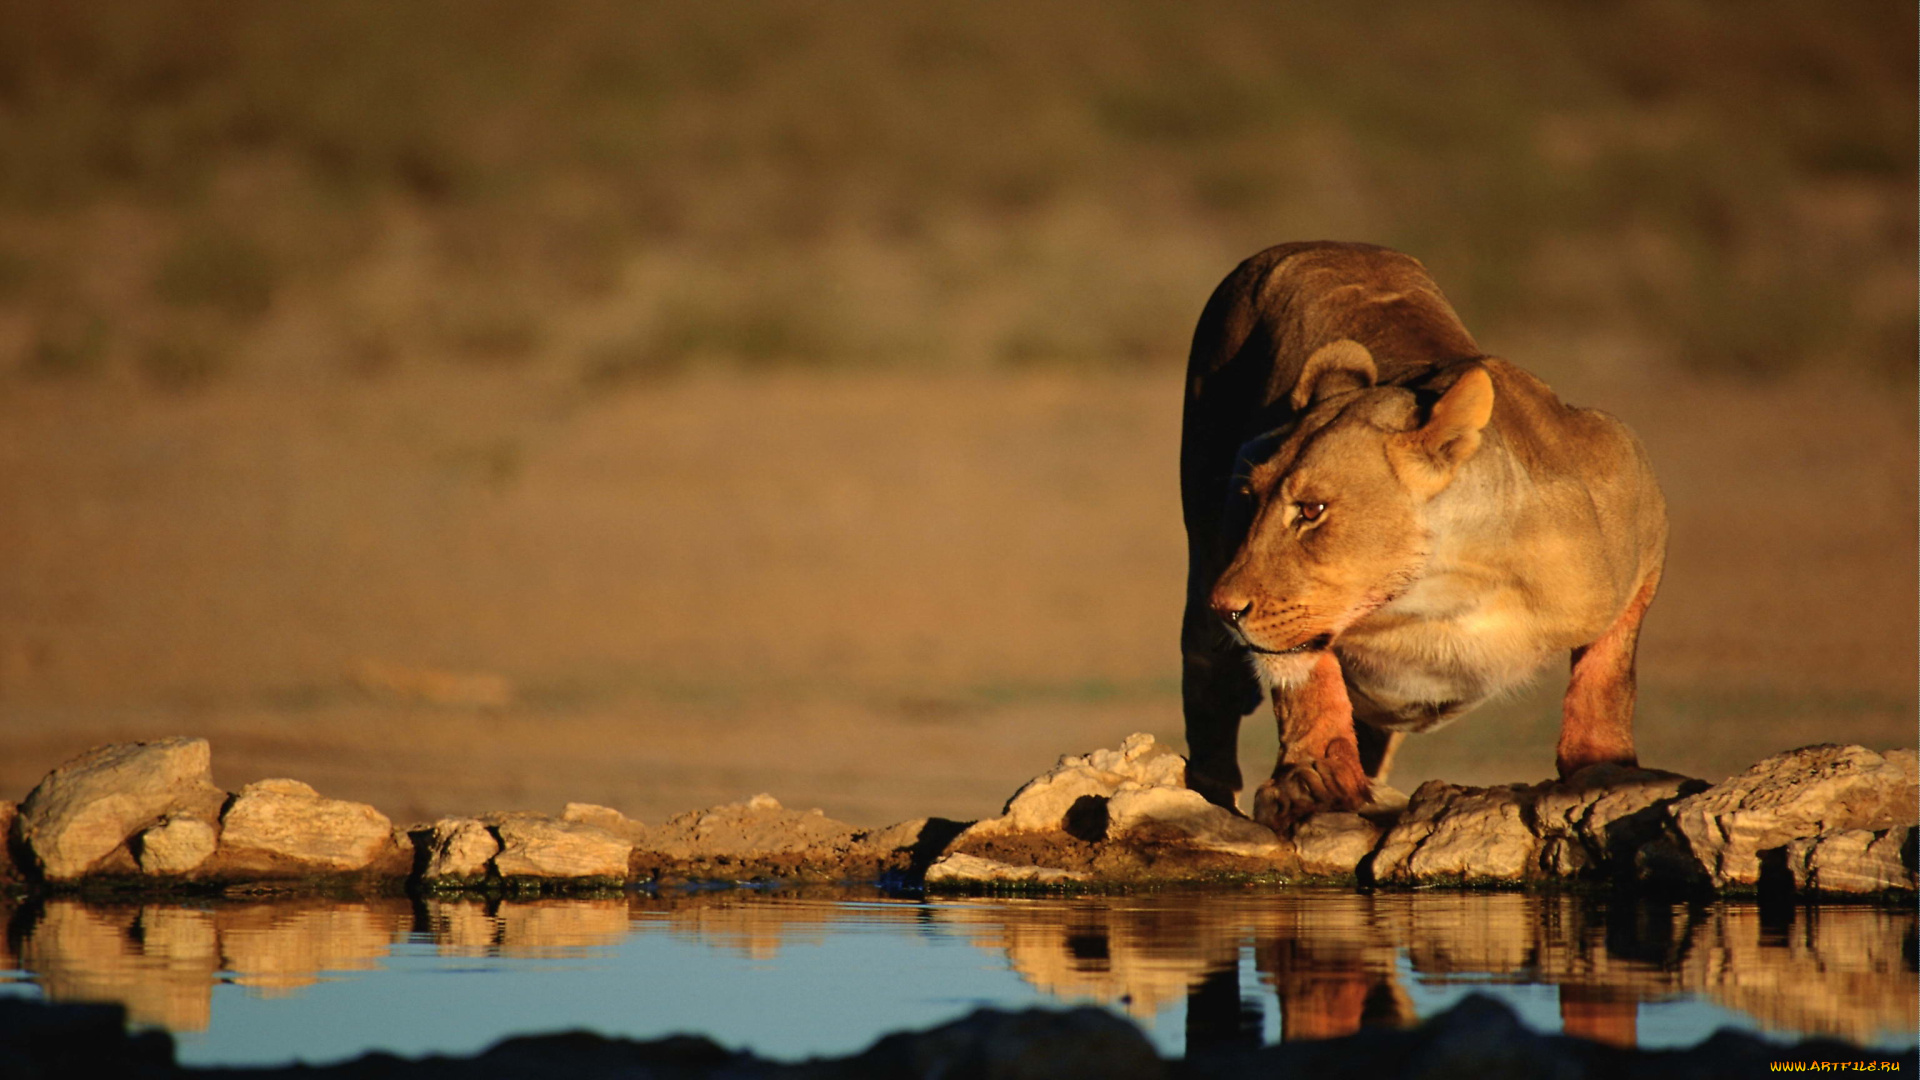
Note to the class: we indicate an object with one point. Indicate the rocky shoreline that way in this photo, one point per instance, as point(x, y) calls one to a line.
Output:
point(1835, 821)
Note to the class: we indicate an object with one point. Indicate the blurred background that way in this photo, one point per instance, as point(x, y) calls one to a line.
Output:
point(474, 406)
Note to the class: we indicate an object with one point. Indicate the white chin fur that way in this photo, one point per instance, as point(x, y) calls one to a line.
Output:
point(1285, 670)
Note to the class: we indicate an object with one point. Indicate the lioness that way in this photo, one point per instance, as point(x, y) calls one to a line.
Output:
point(1386, 525)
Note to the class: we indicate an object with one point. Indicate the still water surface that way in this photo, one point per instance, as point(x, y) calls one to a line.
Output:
point(792, 975)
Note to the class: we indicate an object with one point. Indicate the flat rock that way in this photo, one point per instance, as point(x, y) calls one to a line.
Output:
point(537, 847)
point(1811, 792)
point(279, 826)
point(1161, 814)
point(759, 838)
point(85, 810)
point(460, 851)
point(1586, 826)
point(1334, 844)
point(960, 868)
point(177, 845)
point(756, 827)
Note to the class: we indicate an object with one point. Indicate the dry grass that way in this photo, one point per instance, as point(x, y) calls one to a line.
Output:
point(614, 189)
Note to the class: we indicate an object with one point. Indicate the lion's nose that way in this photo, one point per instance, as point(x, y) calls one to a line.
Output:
point(1231, 607)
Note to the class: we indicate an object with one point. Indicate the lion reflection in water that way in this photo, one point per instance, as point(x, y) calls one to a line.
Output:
point(1334, 961)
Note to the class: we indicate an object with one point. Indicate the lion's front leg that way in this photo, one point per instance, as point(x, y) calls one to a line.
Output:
point(1319, 767)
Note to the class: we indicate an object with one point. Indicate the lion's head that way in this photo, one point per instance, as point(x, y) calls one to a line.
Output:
point(1333, 508)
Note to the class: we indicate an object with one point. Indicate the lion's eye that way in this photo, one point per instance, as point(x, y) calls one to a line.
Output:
point(1311, 511)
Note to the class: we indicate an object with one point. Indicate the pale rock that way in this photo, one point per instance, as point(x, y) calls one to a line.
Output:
point(603, 817)
point(1448, 833)
point(962, 868)
point(537, 847)
point(87, 809)
point(756, 828)
point(1855, 862)
point(284, 824)
point(1181, 814)
point(1041, 805)
point(176, 846)
point(1334, 844)
point(1813, 791)
point(459, 851)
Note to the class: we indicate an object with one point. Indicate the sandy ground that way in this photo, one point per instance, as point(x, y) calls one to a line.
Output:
point(885, 595)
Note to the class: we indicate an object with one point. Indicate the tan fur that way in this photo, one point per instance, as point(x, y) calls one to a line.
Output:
point(1384, 525)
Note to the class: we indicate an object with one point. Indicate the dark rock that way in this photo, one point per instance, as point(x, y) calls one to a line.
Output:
point(1032, 1045)
point(60, 1040)
point(1482, 1038)
point(10, 870)
point(1477, 1038)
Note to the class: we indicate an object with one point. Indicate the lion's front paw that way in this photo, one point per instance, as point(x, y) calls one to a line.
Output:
point(1299, 790)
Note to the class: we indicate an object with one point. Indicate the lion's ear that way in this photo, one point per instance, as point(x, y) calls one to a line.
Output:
point(1428, 456)
point(1333, 368)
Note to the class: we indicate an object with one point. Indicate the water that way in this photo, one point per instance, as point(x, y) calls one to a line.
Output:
point(797, 974)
